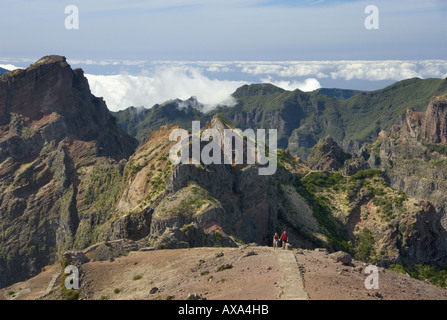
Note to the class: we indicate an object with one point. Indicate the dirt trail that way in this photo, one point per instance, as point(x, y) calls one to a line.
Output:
point(291, 286)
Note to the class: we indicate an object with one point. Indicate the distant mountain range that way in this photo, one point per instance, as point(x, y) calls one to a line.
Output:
point(3, 70)
point(302, 118)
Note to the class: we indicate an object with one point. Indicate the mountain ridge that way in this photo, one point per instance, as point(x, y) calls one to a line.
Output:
point(302, 118)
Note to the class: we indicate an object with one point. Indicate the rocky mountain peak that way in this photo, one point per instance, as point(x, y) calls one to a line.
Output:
point(218, 122)
point(51, 101)
point(51, 59)
point(327, 155)
point(192, 102)
point(49, 85)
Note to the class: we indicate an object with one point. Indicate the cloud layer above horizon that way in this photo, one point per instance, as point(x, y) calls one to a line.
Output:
point(141, 83)
point(212, 83)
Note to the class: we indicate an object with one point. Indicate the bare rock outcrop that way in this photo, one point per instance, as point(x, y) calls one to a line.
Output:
point(430, 125)
point(327, 155)
point(340, 256)
point(434, 125)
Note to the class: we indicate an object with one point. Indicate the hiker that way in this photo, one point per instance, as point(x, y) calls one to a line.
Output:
point(284, 239)
point(275, 241)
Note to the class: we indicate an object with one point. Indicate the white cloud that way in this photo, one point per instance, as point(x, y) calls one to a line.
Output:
point(165, 83)
point(9, 67)
point(164, 80)
point(394, 70)
point(307, 85)
point(377, 70)
point(218, 69)
point(286, 68)
point(93, 62)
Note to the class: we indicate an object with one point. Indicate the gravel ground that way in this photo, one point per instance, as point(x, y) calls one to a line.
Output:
point(246, 273)
point(326, 280)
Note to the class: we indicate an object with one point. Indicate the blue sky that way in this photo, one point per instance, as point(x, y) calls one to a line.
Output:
point(224, 30)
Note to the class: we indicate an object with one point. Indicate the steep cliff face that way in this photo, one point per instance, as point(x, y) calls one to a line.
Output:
point(388, 200)
point(431, 125)
point(424, 238)
point(412, 124)
point(413, 156)
point(434, 125)
point(59, 148)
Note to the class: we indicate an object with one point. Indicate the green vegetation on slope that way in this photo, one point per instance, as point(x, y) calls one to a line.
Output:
point(339, 94)
point(367, 113)
point(307, 187)
point(340, 200)
point(140, 122)
point(430, 273)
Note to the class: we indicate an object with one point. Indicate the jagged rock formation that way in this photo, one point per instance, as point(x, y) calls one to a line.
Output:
point(59, 148)
point(204, 205)
point(430, 125)
point(327, 155)
point(414, 159)
point(414, 154)
point(380, 197)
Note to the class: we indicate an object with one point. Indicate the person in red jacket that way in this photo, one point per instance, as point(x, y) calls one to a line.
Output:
point(284, 239)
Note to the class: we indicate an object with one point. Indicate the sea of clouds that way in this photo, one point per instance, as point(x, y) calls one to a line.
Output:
point(212, 83)
point(144, 84)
